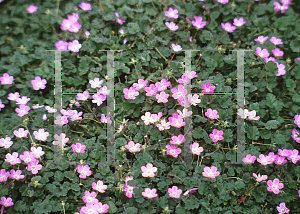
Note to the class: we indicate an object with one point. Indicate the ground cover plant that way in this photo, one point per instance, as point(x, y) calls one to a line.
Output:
point(152, 75)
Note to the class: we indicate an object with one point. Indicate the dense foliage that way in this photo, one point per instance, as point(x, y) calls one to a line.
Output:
point(152, 36)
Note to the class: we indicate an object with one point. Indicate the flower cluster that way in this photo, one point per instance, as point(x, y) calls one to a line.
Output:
point(264, 53)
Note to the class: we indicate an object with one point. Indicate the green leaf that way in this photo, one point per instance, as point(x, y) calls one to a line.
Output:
point(214, 15)
point(20, 206)
point(192, 203)
point(295, 45)
point(211, 63)
point(130, 210)
point(112, 207)
point(279, 139)
point(198, 133)
point(207, 35)
point(133, 28)
point(290, 84)
point(271, 124)
point(271, 68)
point(296, 98)
point(219, 157)
point(239, 184)
point(271, 99)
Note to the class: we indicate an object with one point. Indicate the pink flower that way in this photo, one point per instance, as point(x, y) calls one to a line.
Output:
point(261, 39)
point(172, 13)
point(277, 52)
point(90, 197)
point(12, 158)
point(173, 150)
point(163, 125)
point(207, 89)
point(50, 109)
point(195, 149)
point(4, 175)
point(249, 159)
point(129, 190)
point(61, 45)
point(185, 113)
point(272, 157)
point(148, 170)
point(239, 22)
point(147, 118)
point(176, 120)
point(198, 23)
point(270, 59)
point(38, 152)
point(294, 156)
point(172, 26)
point(190, 191)
point(274, 186)
point(149, 193)
point(74, 46)
point(276, 41)
point(174, 192)
point(151, 90)
point(295, 135)
point(130, 94)
point(1, 105)
point(263, 53)
point(96, 83)
point(297, 120)
point(227, 26)
point(41, 135)
point(98, 99)
point(99, 186)
point(44, 117)
point(105, 119)
point(6, 79)
point(34, 167)
point(27, 157)
point(264, 160)
point(162, 97)
point(280, 160)
point(281, 69)
point(83, 96)
point(282, 208)
point(278, 7)
point(133, 147)
point(22, 110)
point(61, 120)
point(32, 9)
point(21, 133)
point(252, 115)
point(284, 152)
point(84, 171)
point(6, 142)
point(176, 48)
point(177, 140)
point(38, 83)
point(13, 96)
point(119, 20)
point(212, 114)
point(16, 174)
point(103, 90)
point(216, 135)
point(6, 202)
point(24, 100)
point(210, 172)
point(194, 100)
point(78, 148)
point(85, 6)
point(260, 178)
point(179, 93)
point(223, 1)
point(141, 84)
point(87, 33)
